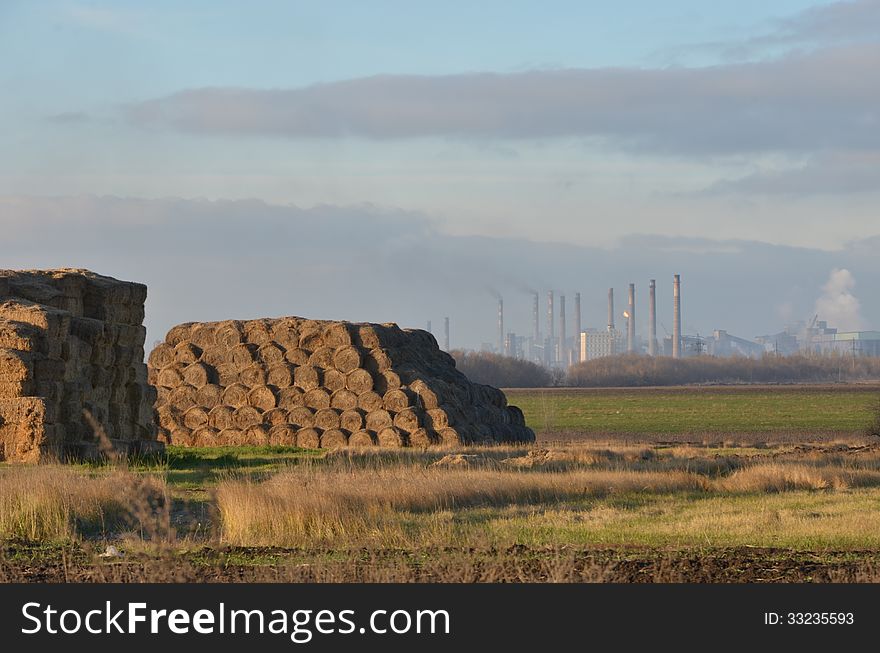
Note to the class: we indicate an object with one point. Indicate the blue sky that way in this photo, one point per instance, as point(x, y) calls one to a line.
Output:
point(581, 123)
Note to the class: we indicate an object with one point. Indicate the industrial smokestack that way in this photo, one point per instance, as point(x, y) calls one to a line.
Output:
point(631, 320)
point(429, 327)
point(500, 325)
point(551, 329)
point(652, 319)
point(611, 309)
point(562, 349)
point(577, 327)
point(445, 334)
point(676, 316)
point(536, 327)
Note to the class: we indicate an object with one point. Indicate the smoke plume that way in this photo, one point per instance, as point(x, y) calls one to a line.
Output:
point(837, 304)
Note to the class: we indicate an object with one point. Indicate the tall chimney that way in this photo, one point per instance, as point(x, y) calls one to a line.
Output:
point(611, 309)
point(676, 316)
point(445, 334)
point(536, 327)
point(652, 319)
point(562, 350)
point(429, 327)
point(500, 325)
point(577, 319)
point(631, 321)
point(551, 329)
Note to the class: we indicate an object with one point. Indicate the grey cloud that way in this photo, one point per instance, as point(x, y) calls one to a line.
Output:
point(831, 174)
point(222, 259)
point(797, 103)
point(69, 117)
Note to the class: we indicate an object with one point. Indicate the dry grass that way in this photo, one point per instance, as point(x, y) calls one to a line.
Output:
point(312, 504)
point(49, 503)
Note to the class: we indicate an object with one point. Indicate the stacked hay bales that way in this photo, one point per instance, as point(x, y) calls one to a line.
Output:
point(310, 383)
point(72, 341)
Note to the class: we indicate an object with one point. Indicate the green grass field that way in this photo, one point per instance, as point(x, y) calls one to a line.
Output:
point(711, 410)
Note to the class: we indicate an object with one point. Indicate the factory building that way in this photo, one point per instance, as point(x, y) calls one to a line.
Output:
point(596, 344)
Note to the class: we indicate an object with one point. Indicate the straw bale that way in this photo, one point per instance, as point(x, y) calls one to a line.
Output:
point(308, 438)
point(390, 437)
point(221, 417)
point(333, 439)
point(359, 381)
point(370, 401)
point(297, 356)
point(317, 398)
point(334, 380)
point(291, 397)
point(245, 416)
point(361, 439)
point(327, 418)
point(253, 376)
point(377, 420)
point(236, 395)
point(185, 353)
point(351, 420)
point(282, 435)
point(301, 417)
point(262, 397)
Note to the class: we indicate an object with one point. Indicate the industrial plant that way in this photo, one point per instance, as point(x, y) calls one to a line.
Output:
point(557, 347)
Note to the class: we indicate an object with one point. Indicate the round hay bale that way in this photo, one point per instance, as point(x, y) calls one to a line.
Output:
point(327, 418)
point(308, 438)
point(337, 334)
point(377, 361)
point(436, 419)
point(428, 399)
point(227, 374)
point(253, 376)
point(369, 401)
point(179, 333)
point(281, 435)
point(322, 357)
point(396, 400)
point(334, 380)
point(387, 381)
point(214, 356)
point(242, 356)
point(346, 359)
point(301, 417)
point(408, 420)
point(246, 416)
point(236, 395)
point(351, 420)
point(377, 420)
point(516, 415)
point(390, 437)
point(333, 439)
point(280, 375)
point(205, 437)
point(306, 377)
point(256, 435)
point(256, 332)
point(423, 438)
point(359, 381)
point(195, 418)
point(228, 334)
point(367, 336)
point(152, 376)
point(291, 397)
point(450, 437)
point(170, 377)
point(162, 356)
point(262, 398)
point(310, 338)
point(285, 333)
point(270, 353)
point(182, 399)
point(231, 437)
point(275, 417)
point(196, 375)
point(168, 417)
point(343, 399)
point(203, 335)
point(220, 417)
point(209, 395)
point(362, 439)
point(317, 398)
point(181, 436)
point(186, 353)
point(297, 356)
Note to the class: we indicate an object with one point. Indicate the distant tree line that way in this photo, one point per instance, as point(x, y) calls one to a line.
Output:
point(633, 370)
point(503, 371)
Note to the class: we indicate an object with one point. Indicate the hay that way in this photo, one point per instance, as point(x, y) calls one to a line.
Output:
point(178, 334)
point(377, 420)
point(280, 375)
point(351, 420)
point(282, 435)
point(387, 381)
point(327, 418)
point(322, 357)
point(170, 377)
point(220, 417)
point(369, 401)
point(275, 417)
point(362, 439)
point(262, 398)
point(359, 381)
point(344, 399)
point(162, 356)
point(256, 332)
point(317, 398)
point(333, 439)
point(256, 435)
point(291, 397)
point(301, 417)
point(194, 418)
point(270, 354)
point(196, 375)
point(228, 334)
point(242, 356)
point(236, 395)
point(396, 400)
point(253, 376)
point(408, 420)
point(203, 336)
point(185, 353)
point(390, 437)
point(337, 334)
point(306, 377)
point(209, 395)
point(297, 356)
point(308, 438)
point(334, 380)
point(346, 359)
point(246, 416)
point(205, 437)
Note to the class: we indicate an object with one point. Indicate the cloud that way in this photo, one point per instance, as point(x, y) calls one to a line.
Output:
point(835, 173)
point(208, 260)
point(69, 118)
point(838, 305)
point(797, 103)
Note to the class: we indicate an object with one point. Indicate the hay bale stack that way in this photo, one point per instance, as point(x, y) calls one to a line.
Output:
point(321, 384)
point(73, 341)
